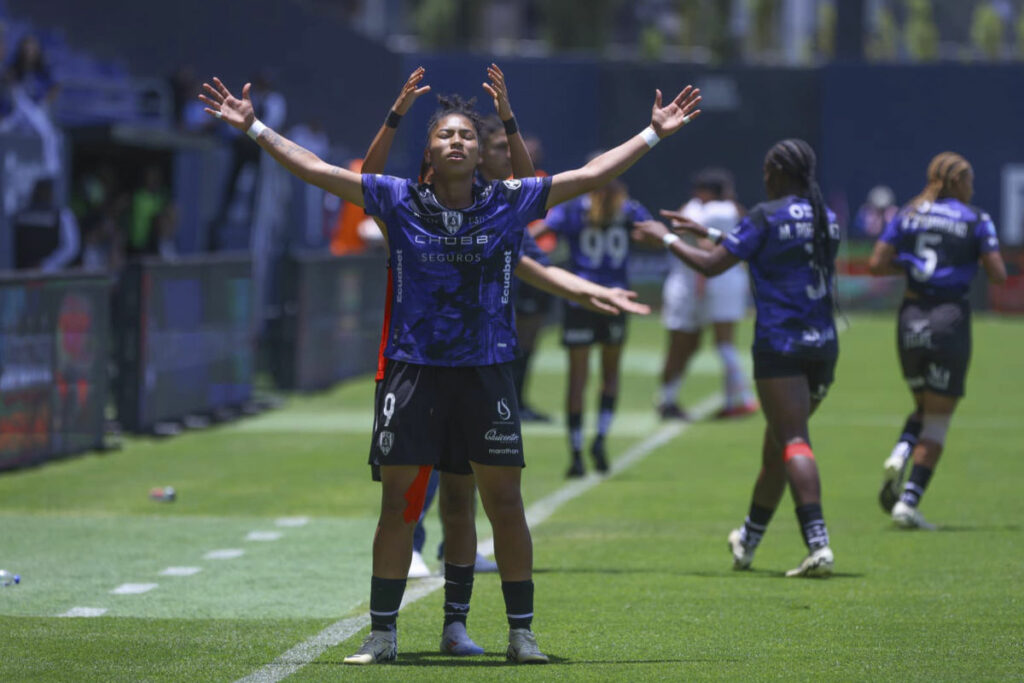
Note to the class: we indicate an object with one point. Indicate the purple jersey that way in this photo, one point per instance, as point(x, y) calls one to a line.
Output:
point(794, 307)
point(939, 244)
point(452, 269)
point(598, 254)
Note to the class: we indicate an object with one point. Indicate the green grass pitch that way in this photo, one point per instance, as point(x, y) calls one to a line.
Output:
point(268, 544)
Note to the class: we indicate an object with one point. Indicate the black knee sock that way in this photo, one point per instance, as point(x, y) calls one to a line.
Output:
point(812, 524)
point(518, 603)
point(458, 587)
point(576, 433)
point(911, 429)
point(916, 484)
point(385, 598)
point(755, 525)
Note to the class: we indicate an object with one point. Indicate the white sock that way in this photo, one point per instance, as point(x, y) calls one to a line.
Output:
point(736, 390)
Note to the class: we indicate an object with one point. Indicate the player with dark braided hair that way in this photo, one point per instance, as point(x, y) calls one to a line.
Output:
point(937, 241)
point(790, 243)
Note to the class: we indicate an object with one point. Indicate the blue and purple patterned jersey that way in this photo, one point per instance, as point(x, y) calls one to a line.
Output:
point(598, 254)
point(939, 244)
point(452, 270)
point(791, 293)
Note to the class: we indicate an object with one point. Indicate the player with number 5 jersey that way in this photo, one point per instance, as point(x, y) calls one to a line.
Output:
point(937, 241)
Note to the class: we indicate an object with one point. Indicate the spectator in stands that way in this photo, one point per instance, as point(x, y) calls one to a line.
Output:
point(876, 212)
point(148, 204)
point(46, 236)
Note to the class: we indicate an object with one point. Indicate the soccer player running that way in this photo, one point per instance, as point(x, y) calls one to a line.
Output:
point(790, 243)
point(596, 227)
point(937, 240)
point(448, 394)
point(690, 304)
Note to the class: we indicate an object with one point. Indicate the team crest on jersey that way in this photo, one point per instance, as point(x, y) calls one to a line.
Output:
point(513, 184)
point(452, 221)
point(386, 441)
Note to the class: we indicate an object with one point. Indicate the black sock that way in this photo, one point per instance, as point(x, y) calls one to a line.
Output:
point(911, 429)
point(518, 603)
point(916, 484)
point(755, 525)
point(385, 598)
point(812, 524)
point(576, 434)
point(606, 411)
point(458, 587)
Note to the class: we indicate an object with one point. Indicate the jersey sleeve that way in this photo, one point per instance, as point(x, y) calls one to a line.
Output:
point(382, 193)
point(891, 232)
point(747, 237)
point(635, 211)
point(528, 197)
point(985, 234)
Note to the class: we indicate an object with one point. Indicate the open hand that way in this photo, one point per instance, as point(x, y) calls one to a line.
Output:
point(498, 92)
point(677, 113)
point(221, 104)
point(649, 232)
point(410, 91)
point(682, 223)
point(616, 300)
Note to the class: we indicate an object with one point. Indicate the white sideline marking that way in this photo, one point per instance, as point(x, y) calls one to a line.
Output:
point(226, 554)
point(305, 652)
point(263, 536)
point(133, 588)
point(84, 612)
point(292, 521)
point(181, 571)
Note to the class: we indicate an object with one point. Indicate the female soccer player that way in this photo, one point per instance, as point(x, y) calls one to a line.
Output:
point(689, 305)
point(790, 244)
point(596, 227)
point(447, 397)
point(937, 240)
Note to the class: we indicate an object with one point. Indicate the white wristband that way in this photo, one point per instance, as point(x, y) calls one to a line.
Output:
point(649, 136)
point(715, 235)
point(255, 129)
point(669, 238)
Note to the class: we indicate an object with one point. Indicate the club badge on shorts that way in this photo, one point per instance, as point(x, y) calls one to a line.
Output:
point(386, 441)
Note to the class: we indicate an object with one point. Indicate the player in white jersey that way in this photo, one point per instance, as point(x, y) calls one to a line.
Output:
point(692, 302)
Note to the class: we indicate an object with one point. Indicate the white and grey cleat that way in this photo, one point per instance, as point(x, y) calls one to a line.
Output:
point(379, 647)
point(523, 648)
point(455, 641)
point(892, 477)
point(818, 564)
point(418, 568)
point(742, 556)
point(909, 517)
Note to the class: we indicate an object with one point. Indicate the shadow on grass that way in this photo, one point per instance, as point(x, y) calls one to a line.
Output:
point(979, 527)
point(718, 574)
point(427, 659)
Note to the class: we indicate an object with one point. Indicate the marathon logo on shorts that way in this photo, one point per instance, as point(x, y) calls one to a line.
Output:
point(386, 441)
point(938, 377)
point(452, 221)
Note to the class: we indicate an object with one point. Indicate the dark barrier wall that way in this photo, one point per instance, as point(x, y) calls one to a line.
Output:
point(186, 344)
point(54, 350)
point(331, 323)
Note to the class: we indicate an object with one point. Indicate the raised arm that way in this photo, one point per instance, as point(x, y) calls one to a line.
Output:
point(238, 113)
point(599, 171)
point(377, 155)
point(522, 164)
point(562, 283)
point(708, 263)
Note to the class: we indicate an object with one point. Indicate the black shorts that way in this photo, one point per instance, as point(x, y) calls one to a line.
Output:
point(581, 327)
point(532, 301)
point(934, 341)
point(820, 372)
point(446, 417)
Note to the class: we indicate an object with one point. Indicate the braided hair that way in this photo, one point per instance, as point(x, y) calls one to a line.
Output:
point(944, 171)
point(455, 104)
point(796, 160)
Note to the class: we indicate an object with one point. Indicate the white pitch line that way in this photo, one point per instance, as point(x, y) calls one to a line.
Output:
point(307, 651)
point(263, 536)
point(226, 554)
point(292, 521)
point(181, 571)
point(84, 612)
point(133, 588)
